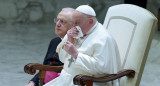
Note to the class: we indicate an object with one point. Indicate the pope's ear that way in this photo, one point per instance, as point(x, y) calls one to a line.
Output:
point(91, 21)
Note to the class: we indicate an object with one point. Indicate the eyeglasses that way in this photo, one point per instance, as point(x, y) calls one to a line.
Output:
point(61, 21)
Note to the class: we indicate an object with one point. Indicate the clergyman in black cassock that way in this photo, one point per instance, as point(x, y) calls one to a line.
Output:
point(51, 57)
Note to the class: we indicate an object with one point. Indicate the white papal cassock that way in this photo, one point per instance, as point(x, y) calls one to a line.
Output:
point(98, 55)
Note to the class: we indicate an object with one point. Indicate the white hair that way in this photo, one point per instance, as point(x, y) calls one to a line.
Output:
point(69, 10)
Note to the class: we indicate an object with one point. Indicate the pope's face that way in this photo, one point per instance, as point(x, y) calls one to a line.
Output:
point(63, 24)
point(81, 20)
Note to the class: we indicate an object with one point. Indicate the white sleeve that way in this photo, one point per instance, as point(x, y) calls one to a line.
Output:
point(61, 52)
point(62, 55)
point(104, 60)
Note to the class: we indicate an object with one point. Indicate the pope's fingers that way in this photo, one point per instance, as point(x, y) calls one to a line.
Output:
point(73, 32)
point(69, 32)
point(67, 42)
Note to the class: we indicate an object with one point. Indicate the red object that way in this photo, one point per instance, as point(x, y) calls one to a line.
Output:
point(50, 75)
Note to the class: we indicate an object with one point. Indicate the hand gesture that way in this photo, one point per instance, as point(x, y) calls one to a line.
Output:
point(70, 49)
point(72, 33)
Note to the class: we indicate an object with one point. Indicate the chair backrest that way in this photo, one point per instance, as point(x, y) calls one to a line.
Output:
point(133, 28)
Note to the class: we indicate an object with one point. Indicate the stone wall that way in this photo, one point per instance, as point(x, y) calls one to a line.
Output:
point(154, 6)
point(26, 11)
point(43, 11)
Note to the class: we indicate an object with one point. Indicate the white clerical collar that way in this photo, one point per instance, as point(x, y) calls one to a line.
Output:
point(95, 25)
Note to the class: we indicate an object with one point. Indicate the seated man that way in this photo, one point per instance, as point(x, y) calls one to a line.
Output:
point(63, 24)
point(94, 54)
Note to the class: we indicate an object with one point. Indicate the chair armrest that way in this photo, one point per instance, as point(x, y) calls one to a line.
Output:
point(84, 79)
point(32, 67)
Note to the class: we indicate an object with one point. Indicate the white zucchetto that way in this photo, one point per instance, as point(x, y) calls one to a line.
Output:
point(86, 10)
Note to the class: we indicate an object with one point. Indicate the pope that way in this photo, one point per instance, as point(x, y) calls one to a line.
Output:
point(94, 54)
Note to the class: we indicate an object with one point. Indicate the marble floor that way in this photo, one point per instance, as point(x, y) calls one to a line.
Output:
point(22, 44)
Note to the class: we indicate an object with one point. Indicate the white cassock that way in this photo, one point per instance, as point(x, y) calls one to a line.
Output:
point(98, 55)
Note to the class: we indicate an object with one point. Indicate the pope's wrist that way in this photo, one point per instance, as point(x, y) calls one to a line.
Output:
point(75, 55)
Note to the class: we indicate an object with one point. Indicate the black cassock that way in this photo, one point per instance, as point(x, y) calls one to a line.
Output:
point(51, 57)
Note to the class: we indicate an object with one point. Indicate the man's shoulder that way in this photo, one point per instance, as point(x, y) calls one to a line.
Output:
point(56, 39)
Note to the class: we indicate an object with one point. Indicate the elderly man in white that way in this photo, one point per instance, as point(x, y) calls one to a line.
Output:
point(95, 53)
